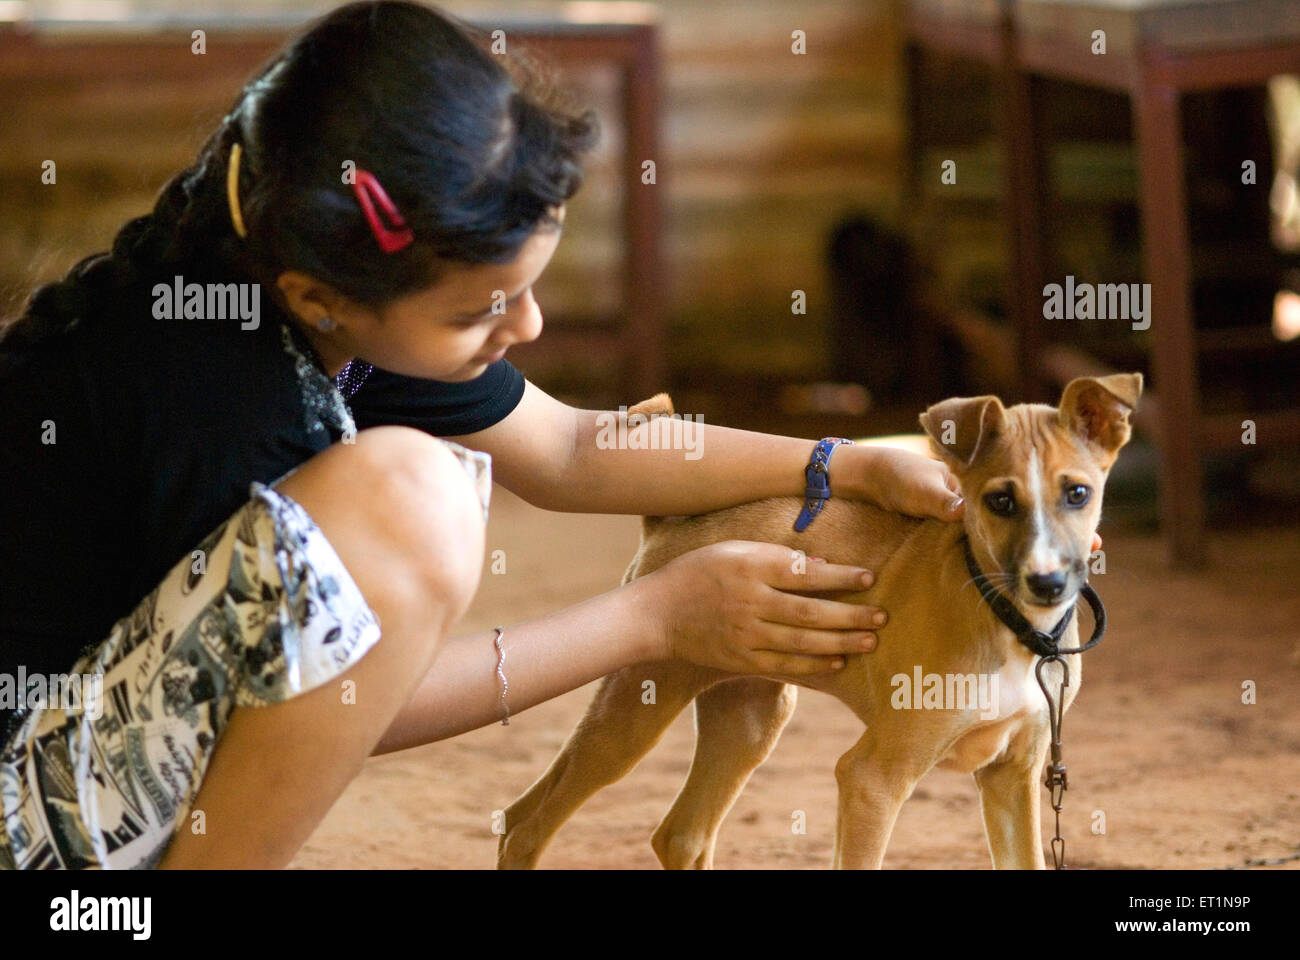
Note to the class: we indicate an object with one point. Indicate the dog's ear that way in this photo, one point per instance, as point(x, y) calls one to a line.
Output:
point(660, 403)
point(1096, 409)
point(964, 429)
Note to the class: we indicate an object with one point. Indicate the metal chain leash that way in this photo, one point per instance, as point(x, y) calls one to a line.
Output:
point(1045, 645)
point(1055, 778)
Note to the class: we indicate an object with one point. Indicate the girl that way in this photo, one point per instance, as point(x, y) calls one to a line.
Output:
point(189, 420)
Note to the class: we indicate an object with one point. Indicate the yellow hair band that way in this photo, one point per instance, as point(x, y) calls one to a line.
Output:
point(232, 190)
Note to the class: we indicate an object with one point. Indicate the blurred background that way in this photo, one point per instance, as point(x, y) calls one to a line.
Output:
point(835, 239)
point(802, 265)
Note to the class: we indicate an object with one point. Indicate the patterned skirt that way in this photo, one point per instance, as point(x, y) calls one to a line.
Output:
point(269, 612)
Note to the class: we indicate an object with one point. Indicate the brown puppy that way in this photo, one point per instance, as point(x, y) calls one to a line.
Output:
point(948, 684)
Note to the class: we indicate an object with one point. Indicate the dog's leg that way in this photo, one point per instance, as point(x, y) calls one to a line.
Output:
point(737, 723)
point(1010, 801)
point(876, 776)
point(617, 730)
point(868, 806)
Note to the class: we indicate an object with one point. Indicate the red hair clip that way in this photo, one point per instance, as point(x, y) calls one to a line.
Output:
point(390, 240)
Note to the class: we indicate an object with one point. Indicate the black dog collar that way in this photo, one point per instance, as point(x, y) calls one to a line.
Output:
point(1043, 644)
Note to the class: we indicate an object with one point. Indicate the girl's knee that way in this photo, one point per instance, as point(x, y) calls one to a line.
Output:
point(426, 504)
point(402, 511)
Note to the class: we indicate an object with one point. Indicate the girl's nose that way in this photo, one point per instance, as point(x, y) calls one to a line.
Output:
point(525, 323)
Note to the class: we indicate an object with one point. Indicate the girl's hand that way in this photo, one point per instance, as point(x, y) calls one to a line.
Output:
point(897, 480)
point(726, 606)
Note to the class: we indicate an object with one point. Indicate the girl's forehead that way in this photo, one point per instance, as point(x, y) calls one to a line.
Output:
point(470, 288)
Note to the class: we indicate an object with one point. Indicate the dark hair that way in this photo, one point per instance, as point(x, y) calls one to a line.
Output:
point(472, 148)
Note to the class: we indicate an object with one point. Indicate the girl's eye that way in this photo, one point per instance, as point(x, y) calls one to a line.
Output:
point(486, 316)
point(470, 322)
point(1076, 495)
point(1001, 503)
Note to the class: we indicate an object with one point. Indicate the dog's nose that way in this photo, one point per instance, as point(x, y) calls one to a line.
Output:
point(1046, 586)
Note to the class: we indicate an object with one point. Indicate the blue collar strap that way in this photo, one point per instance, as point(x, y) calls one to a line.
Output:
point(817, 475)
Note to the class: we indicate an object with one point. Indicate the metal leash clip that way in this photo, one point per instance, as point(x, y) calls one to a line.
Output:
point(1055, 778)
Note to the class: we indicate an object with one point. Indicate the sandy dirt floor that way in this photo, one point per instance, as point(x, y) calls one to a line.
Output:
point(1159, 739)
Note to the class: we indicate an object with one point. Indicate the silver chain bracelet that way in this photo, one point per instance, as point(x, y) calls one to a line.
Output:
point(505, 684)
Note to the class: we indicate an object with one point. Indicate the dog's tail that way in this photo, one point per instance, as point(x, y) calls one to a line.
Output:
point(660, 404)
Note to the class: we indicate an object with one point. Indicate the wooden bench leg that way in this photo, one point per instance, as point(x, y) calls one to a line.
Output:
point(1025, 192)
point(1166, 260)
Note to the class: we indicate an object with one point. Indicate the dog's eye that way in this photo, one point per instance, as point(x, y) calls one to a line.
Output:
point(1076, 495)
point(1001, 503)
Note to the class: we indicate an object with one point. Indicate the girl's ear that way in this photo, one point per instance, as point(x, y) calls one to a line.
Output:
point(310, 299)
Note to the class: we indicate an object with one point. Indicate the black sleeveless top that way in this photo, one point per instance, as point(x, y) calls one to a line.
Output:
point(158, 428)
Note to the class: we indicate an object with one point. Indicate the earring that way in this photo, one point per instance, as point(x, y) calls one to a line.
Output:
point(326, 324)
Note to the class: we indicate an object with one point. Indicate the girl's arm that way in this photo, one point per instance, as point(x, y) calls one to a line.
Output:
point(560, 458)
point(695, 607)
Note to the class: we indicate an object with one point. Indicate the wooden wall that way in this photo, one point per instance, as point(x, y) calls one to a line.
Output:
point(762, 152)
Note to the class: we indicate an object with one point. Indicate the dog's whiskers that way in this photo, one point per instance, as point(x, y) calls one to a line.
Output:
point(998, 579)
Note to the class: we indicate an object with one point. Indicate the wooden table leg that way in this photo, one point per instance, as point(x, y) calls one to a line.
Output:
point(1166, 260)
point(644, 356)
point(1024, 192)
point(924, 379)
point(914, 130)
